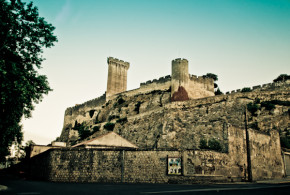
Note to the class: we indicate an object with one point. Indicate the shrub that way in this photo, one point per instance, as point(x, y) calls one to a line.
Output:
point(285, 143)
point(246, 89)
point(109, 126)
point(111, 117)
point(73, 142)
point(77, 125)
point(96, 128)
point(253, 108)
point(203, 144)
point(257, 101)
point(268, 105)
point(279, 102)
point(137, 107)
point(254, 125)
point(218, 92)
point(83, 131)
point(122, 120)
point(121, 101)
point(214, 144)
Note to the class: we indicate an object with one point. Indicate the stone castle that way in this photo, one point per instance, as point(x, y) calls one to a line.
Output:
point(231, 137)
point(181, 85)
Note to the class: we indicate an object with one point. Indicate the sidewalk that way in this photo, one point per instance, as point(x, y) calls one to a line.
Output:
point(275, 181)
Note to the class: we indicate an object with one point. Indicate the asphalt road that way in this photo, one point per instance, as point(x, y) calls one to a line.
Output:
point(27, 187)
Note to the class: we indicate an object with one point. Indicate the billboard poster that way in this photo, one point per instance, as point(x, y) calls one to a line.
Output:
point(174, 166)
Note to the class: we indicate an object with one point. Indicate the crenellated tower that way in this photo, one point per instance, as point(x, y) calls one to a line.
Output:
point(179, 80)
point(117, 76)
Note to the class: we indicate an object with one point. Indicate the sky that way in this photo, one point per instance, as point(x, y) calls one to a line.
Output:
point(244, 42)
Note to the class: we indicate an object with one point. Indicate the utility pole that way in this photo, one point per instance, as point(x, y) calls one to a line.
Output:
point(122, 166)
point(250, 178)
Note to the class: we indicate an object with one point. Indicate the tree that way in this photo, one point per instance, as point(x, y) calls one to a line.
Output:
point(83, 130)
point(218, 92)
point(246, 89)
point(23, 34)
point(211, 75)
point(29, 143)
point(282, 77)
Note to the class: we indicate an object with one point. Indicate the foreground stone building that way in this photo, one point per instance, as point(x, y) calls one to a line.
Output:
point(181, 130)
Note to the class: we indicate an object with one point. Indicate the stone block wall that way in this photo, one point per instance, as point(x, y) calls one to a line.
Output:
point(80, 113)
point(266, 155)
point(117, 76)
point(150, 166)
point(200, 87)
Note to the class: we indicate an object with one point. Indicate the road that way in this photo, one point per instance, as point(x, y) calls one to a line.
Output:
point(28, 187)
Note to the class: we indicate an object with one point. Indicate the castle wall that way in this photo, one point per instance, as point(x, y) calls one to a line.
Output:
point(266, 155)
point(151, 166)
point(168, 122)
point(185, 86)
point(79, 113)
point(162, 84)
point(200, 87)
point(266, 87)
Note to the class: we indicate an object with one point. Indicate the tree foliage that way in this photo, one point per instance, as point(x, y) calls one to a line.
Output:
point(109, 126)
point(218, 92)
point(83, 131)
point(246, 89)
point(212, 144)
point(282, 77)
point(23, 34)
point(211, 75)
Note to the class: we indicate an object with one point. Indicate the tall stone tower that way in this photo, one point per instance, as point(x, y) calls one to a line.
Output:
point(117, 76)
point(179, 80)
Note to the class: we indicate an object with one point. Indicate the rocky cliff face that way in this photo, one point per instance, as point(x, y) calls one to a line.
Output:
point(151, 121)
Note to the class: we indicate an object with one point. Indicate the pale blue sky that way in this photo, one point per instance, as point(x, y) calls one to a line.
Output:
point(244, 42)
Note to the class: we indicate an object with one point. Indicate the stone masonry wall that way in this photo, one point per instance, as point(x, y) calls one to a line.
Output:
point(266, 155)
point(79, 113)
point(150, 166)
point(117, 76)
point(200, 87)
point(154, 122)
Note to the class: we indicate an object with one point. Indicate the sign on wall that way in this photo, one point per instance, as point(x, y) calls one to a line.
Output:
point(174, 165)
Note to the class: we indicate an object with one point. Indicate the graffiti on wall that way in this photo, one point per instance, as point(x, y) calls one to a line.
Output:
point(174, 166)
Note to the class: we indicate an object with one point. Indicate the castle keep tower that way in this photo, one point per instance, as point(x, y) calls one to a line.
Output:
point(179, 80)
point(117, 76)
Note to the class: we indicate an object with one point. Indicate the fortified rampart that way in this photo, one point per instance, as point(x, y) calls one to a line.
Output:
point(153, 122)
point(157, 119)
point(194, 87)
point(152, 166)
point(266, 87)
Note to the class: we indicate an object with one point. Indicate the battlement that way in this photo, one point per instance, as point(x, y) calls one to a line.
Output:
point(180, 60)
point(265, 87)
point(200, 79)
point(112, 60)
point(157, 81)
point(91, 103)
